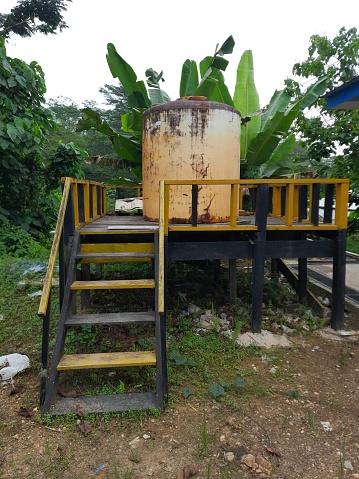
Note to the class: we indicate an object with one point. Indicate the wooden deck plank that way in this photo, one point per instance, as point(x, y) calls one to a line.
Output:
point(107, 360)
point(114, 284)
point(116, 225)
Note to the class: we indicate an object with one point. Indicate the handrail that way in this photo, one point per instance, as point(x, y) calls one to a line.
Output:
point(54, 250)
point(295, 199)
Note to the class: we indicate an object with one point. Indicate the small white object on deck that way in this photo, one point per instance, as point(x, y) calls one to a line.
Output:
point(127, 205)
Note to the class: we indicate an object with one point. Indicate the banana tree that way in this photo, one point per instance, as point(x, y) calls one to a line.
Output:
point(265, 142)
point(128, 141)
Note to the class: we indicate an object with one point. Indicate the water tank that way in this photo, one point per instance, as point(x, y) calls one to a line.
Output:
point(190, 139)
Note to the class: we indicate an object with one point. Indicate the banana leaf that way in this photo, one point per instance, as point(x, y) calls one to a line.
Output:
point(189, 78)
point(123, 182)
point(158, 96)
point(278, 103)
point(128, 147)
point(263, 145)
point(139, 98)
point(132, 121)
point(227, 46)
point(246, 100)
point(91, 119)
point(123, 71)
point(279, 158)
point(212, 84)
point(314, 92)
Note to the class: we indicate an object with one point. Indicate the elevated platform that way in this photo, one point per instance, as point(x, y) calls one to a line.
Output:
point(285, 219)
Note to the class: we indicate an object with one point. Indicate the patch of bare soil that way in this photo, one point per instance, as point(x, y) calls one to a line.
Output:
point(299, 415)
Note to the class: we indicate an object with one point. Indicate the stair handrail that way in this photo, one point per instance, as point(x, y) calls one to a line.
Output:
point(54, 250)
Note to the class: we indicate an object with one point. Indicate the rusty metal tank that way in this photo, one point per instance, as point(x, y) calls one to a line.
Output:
point(190, 139)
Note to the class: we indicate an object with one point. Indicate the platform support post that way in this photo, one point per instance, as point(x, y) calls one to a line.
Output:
point(302, 276)
point(85, 295)
point(232, 263)
point(259, 256)
point(338, 285)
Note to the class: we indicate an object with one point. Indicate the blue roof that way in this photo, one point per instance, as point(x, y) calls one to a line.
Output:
point(344, 97)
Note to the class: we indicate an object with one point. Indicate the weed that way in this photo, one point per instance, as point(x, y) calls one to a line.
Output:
point(126, 474)
point(310, 420)
point(343, 358)
point(341, 468)
point(205, 438)
point(292, 393)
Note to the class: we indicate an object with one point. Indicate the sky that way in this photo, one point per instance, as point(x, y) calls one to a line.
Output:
point(163, 34)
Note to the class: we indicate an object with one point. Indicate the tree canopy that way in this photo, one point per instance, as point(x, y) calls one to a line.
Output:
point(330, 136)
point(31, 16)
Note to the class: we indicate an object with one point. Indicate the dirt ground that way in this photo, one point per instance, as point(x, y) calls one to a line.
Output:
point(279, 419)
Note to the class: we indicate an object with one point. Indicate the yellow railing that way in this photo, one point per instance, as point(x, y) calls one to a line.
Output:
point(293, 201)
point(54, 250)
point(86, 201)
point(89, 201)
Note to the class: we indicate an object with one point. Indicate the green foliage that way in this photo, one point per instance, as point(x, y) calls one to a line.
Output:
point(246, 100)
point(353, 243)
point(186, 392)
point(24, 125)
point(217, 390)
point(67, 160)
point(329, 132)
point(270, 148)
point(212, 84)
point(21, 19)
point(292, 393)
point(16, 242)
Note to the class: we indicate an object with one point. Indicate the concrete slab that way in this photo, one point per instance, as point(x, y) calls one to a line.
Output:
point(265, 339)
point(329, 333)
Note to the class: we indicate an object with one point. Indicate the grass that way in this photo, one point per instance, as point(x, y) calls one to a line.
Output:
point(353, 243)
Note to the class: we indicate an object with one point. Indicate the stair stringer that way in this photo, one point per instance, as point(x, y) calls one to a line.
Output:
point(52, 380)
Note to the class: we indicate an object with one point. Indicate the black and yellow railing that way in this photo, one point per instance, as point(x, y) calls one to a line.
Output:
point(296, 202)
point(82, 202)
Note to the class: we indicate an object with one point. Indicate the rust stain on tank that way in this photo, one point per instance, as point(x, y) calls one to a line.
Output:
point(199, 166)
point(199, 122)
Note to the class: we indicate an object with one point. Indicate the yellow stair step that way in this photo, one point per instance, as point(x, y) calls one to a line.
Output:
point(87, 248)
point(114, 284)
point(107, 360)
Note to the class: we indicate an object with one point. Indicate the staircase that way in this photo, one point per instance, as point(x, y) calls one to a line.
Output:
point(136, 245)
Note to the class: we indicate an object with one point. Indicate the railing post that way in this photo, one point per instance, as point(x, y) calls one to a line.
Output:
point(65, 243)
point(233, 215)
point(45, 350)
point(161, 236)
point(194, 205)
point(276, 208)
point(328, 203)
point(289, 204)
point(259, 256)
point(341, 205)
point(303, 203)
point(314, 209)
